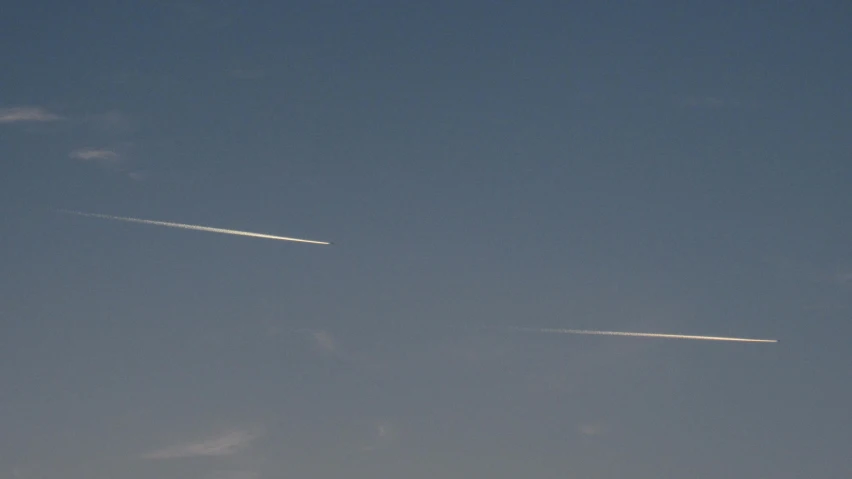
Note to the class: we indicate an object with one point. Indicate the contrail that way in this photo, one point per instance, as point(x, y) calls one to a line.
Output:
point(194, 227)
point(643, 335)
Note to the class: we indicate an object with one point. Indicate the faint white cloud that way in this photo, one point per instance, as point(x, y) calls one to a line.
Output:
point(222, 445)
point(26, 114)
point(592, 429)
point(327, 345)
point(113, 128)
point(384, 434)
point(274, 330)
point(325, 341)
point(115, 159)
point(104, 155)
point(138, 175)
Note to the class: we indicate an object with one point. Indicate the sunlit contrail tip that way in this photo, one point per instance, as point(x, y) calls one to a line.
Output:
point(642, 335)
point(194, 227)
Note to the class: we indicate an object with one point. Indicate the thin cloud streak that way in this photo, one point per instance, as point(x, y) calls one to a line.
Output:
point(207, 229)
point(592, 429)
point(384, 435)
point(325, 341)
point(224, 445)
point(95, 154)
point(642, 335)
point(26, 114)
point(326, 344)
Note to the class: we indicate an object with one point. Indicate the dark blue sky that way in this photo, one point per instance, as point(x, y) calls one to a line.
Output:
point(667, 167)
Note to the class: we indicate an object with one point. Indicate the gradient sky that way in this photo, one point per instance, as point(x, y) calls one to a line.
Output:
point(668, 167)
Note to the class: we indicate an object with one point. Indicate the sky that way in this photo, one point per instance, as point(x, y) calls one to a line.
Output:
point(660, 167)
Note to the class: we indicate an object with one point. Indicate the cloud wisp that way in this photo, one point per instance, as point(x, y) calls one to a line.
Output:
point(383, 436)
point(225, 444)
point(592, 429)
point(27, 114)
point(642, 335)
point(101, 155)
point(325, 342)
point(326, 345)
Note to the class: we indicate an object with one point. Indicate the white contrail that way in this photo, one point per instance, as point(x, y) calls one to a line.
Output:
point(643, 335)
point(194, 227)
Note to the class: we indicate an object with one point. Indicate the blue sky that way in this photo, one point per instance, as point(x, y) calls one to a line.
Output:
point(667, 167)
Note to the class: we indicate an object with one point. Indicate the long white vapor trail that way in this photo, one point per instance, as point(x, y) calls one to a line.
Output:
point(193, 227)
point(642, 335)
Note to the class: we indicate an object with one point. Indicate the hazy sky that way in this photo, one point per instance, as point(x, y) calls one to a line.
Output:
point(668, 167)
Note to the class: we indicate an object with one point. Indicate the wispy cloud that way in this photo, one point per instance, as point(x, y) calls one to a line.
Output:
point(115, 130)
point(104, 155)
point(138, 175)
point(592, 429)
point(384, 434)
point(325, 342)
point(222, 445)
point(115, 159)
point(26, 114)
point(328, 346)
